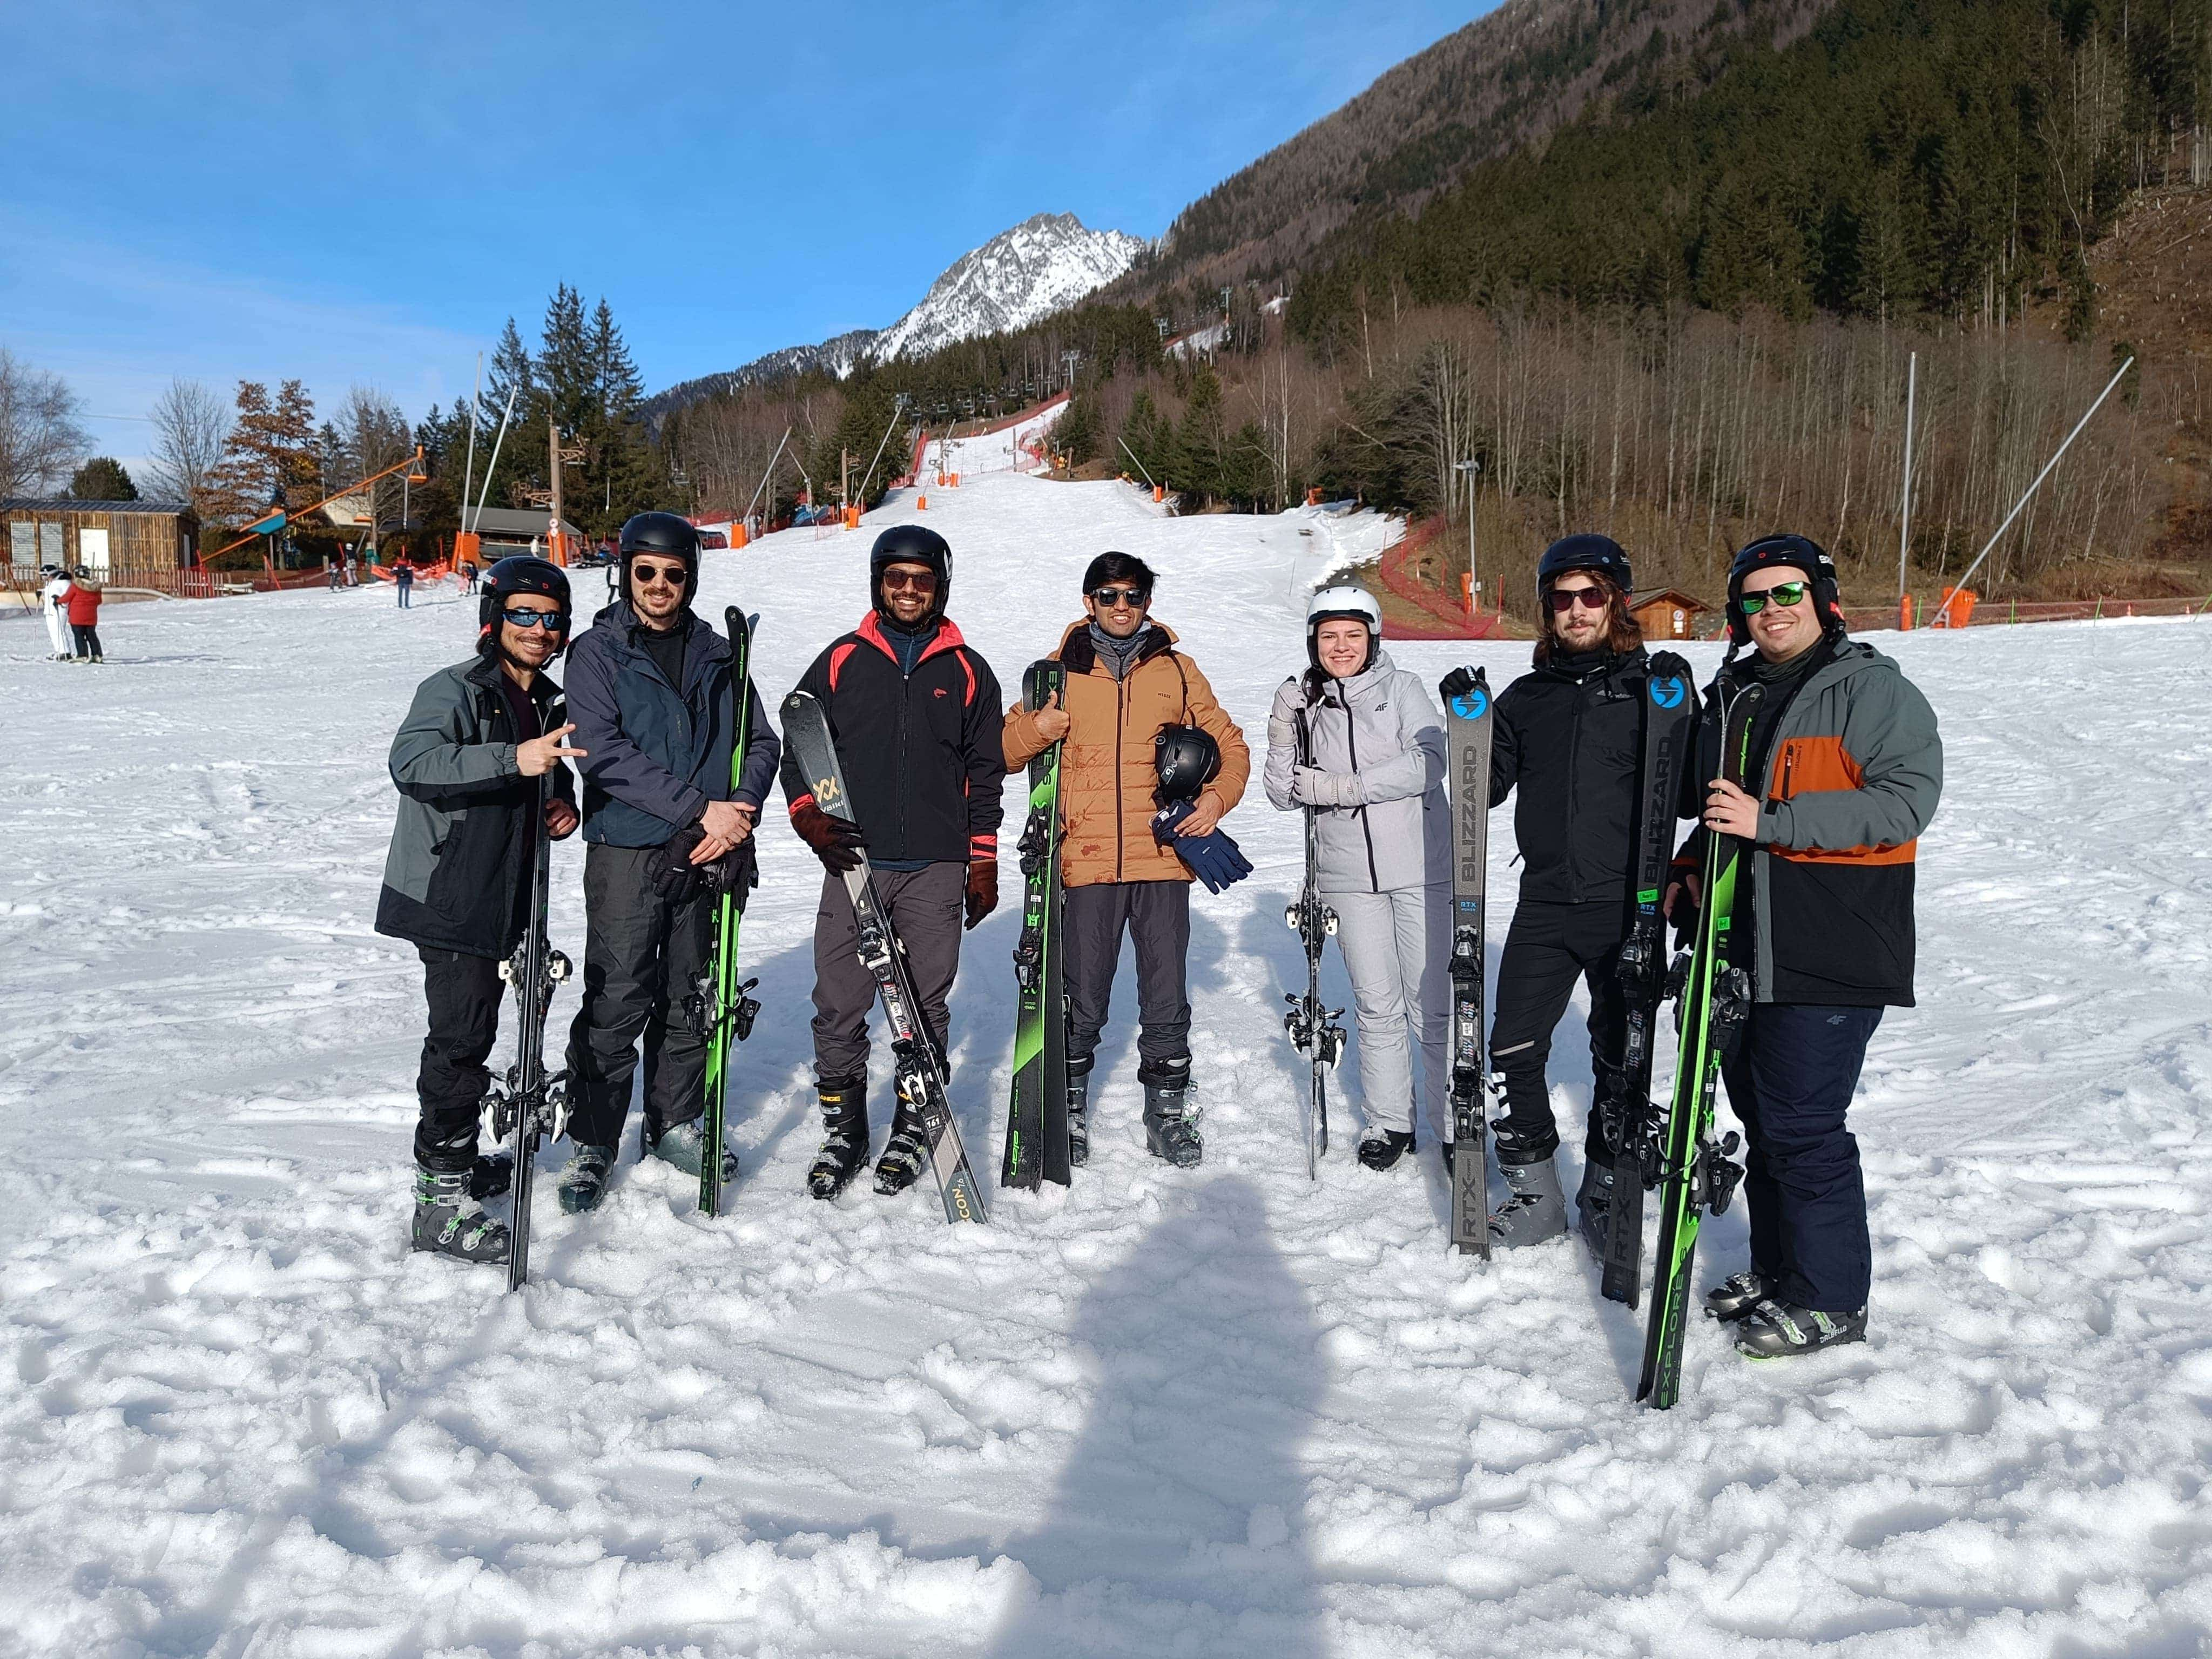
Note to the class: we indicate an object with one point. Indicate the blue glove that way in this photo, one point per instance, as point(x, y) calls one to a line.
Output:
point(1212, 857)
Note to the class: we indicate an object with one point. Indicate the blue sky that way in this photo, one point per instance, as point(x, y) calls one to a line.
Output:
point(347, 195)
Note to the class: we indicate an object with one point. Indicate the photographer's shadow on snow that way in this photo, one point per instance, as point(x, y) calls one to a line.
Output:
point(1178, 1522)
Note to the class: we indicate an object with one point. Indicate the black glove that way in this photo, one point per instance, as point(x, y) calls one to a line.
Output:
point(836, 841)
point(1457, 684)
point(677, 880)
point(983, 888)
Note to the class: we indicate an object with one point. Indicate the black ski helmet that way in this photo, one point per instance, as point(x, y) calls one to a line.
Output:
point(1804, 554)
point(1187, 759)
point(1601, 555)
point(910, 544)
point(523, 573)
point(668, 535)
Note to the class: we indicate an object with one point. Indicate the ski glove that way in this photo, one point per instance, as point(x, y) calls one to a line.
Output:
point(1212, 857)
point(836, 841)
point(1457, 684)
point(677, 880)
point(983, 888)
point(1312, 786)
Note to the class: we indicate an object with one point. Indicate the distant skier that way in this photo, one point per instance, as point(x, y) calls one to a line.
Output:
point(53, 600)
point(1853, 769)
point(403, 577)
point(1126, 683)
point(915, 712)
point(1383, 825)
point(83, 604)
point(1568, 737)
point(458, 878)
point(649, 689)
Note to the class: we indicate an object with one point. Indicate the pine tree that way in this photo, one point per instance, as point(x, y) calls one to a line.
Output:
point(102, 478)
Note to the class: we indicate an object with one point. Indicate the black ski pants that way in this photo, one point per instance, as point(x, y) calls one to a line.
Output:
point(1156, 916)
point(87, 636)
point(1790, 1082)
point(643, 961)
point(925, 907)
point(1549, 947)
point(464, 993)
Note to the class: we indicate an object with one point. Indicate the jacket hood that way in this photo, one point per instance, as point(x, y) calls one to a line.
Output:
point(1079, 655)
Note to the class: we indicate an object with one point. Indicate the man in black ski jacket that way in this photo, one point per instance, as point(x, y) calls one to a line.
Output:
point(649, 687)
point(468, 762)
point(1569, 737)
point(1846, 770)
point(914, 712)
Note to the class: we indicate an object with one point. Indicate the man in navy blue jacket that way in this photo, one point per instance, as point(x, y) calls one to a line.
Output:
point(664, 834)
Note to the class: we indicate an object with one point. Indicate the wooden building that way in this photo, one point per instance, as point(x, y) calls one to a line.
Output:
point(123, 544)
point(1667, 614)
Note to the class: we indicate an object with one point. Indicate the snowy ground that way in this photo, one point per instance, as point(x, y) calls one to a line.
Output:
point(1216, 1412)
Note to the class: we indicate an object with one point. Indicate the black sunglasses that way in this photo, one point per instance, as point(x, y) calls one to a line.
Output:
point(552, 621)
point(674, 574)
point(1113, 597)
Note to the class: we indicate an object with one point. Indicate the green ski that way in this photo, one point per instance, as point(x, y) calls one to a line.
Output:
point(1036, 1121)
point(730, 1006)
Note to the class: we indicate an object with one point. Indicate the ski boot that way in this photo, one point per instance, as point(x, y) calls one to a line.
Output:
point(682, 1144)
point(905, 1154)
point(844, 1138)
point(1379, 1149)
point(449, 1222)
point(1594, 1205)
point(1537, 1211)
point(1780, 1330)
point(584, 1182)
point(1735, 1296)
point(1170, 1122)
point(1079, 1110)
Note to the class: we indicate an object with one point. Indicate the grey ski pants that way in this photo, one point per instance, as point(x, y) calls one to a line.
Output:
point(1397, 949)
point(1157, 915)
point(925, 908)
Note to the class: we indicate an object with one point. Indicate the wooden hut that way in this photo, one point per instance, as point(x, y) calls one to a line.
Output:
point(1667, 614)
point(123, 544)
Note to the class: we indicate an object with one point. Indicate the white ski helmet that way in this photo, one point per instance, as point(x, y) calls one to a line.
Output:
point(1341, 601)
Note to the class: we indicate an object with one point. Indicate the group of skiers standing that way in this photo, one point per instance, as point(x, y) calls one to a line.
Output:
point(69, 600)
point(1846, 753)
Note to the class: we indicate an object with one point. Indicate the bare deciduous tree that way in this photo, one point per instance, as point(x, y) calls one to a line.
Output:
point(40, 442)
point(191, 426)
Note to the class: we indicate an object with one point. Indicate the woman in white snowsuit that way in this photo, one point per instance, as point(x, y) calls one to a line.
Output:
point(1375, 779)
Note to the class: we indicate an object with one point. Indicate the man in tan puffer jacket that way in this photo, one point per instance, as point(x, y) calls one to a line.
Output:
point(1126, 681)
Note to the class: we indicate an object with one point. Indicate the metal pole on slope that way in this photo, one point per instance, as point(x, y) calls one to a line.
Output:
point(476, 414)
point(492, 466)
point(897, 410)
point(1904, 518)
point(1472, 468)
point(1139, 465)
point(1957, 587)
point(746, 516)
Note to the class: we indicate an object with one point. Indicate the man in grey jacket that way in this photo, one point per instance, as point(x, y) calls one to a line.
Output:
point(458, 878)
point(1375, 779)
point(649, 686)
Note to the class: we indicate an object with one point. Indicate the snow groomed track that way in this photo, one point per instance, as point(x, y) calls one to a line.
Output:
point(1224, 1412)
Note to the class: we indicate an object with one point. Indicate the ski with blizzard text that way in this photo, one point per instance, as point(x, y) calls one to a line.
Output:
point(1715, 998)
point(1036, 1119)
point(1467, 729)
point(1626, 1120)
point(729, 1005)
point(917, 1063)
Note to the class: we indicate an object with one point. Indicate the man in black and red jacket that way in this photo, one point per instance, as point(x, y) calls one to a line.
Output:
point(915, 712)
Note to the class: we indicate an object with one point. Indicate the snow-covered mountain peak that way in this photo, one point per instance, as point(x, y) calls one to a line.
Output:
point(1020, 275)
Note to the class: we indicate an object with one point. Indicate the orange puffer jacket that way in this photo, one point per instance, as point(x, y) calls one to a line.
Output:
point(1106, 777)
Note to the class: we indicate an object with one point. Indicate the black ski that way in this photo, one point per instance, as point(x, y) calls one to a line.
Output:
point(1714, 997)
point(917, 1063)
point(1036, 1120)
point(1466, 728)
point(1312, 1024)
point(1629, 1125)
point(729, 1006)
point(529, 1105)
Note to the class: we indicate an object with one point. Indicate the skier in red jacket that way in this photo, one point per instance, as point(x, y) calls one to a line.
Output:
point(83, 603)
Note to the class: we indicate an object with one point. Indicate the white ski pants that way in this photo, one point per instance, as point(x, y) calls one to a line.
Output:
point(57, 631)
point(1397, 949)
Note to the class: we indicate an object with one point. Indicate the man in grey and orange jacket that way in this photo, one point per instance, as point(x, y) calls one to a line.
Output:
point(1849, 768)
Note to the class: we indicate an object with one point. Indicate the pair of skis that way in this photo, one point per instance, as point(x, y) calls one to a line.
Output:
point(728, 1004)
point(1036, 1120)
point(1312, 1024)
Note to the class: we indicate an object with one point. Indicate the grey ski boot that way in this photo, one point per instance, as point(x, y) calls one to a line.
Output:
point(448, 1220)
point(1170, 1122)
point(1537, 1210)
point(584, 1182)
point(684, 1146)
point(1079, 1110)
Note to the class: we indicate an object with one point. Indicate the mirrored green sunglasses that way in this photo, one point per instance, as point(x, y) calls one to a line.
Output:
point(1784, 594)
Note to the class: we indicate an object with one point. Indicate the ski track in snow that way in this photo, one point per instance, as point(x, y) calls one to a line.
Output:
point(1224, 1412)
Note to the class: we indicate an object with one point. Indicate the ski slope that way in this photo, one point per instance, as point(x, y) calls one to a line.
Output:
point(1216, 1412)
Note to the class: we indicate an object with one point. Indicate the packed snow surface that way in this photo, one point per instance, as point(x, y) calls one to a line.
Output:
point(1215, 1411)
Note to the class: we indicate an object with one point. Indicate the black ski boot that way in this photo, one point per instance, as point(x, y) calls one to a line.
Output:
point(1170, 1122)
point(1780, 1330)
point(584, 1182)
point(1737, 1294)
point(493, 1174)
point(905, 1154)
point(1537, 1211)
point(683, 1145)
point(1079, 1110)
point(1380, 1149)
point(844, 1136)
point(1594, 1205)
point(449, 1222)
